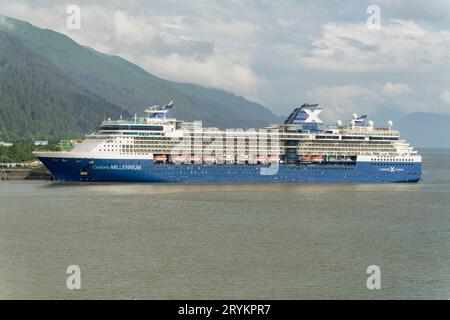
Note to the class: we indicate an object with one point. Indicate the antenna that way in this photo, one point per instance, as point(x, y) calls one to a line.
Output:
point(169, 105)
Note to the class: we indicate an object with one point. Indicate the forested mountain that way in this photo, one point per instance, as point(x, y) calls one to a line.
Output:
point(125, 84)
point(37, 100)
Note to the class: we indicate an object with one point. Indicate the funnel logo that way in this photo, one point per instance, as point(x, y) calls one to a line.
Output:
point(313, 115)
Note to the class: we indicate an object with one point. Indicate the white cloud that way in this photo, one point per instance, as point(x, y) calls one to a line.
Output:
point(220, 71)
point(133, 29)
point(40, 15)
point(396, 89)
point(342, 101)
point(227, 29)
point(397, 45)
point(286, 23)
point(445, 96)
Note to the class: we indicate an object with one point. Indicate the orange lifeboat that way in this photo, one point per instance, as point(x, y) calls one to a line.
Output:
point(316, 158)
point(305, 159)
point(160, 157)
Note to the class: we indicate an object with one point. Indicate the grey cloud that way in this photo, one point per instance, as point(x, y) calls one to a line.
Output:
point(360, 45)
point(185, 47)
point(267, 40)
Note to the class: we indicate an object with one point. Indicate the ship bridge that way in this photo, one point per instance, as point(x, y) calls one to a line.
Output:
point(156, 111)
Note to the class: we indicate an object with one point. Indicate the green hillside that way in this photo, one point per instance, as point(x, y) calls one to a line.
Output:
point(37, 100)
point(123, 83)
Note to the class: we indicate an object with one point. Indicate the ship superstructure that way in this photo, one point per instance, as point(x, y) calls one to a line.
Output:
point(159, 148)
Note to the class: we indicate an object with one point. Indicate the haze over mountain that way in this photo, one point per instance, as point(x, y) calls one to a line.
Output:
point(120, 82)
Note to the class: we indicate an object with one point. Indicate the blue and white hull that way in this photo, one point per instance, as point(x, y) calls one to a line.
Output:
point(78, 169)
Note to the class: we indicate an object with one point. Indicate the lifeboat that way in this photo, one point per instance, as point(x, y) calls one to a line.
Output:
point(160, 157)
point(209, 159)
point(304, 159)
point(316, 158)
point(178, 159)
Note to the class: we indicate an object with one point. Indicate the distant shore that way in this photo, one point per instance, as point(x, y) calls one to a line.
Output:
point(25, 174)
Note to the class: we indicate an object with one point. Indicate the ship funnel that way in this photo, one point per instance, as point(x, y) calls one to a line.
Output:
point(306, 116)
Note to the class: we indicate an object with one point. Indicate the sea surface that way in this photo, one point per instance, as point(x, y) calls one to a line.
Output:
point(156, 241)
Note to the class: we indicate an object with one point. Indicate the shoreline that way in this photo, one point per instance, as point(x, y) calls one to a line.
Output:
point(14, 175)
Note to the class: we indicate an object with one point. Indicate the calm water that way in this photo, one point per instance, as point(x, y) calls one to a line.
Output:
point(247, 241)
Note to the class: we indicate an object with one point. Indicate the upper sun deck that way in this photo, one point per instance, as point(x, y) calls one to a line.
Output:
point(137, 122)
point(303, 123)
point(362, 131)
point(305, 120)
point(155, 119)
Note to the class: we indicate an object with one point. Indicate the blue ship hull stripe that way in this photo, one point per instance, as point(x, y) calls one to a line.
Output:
point(119, 170)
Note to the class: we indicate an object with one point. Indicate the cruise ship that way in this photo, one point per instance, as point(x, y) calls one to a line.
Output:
point(158, 148)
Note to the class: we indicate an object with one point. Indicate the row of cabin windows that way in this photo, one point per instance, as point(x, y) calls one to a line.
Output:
point(356, 138)
point(390, 163)
point(397, 160)
point(132, 127)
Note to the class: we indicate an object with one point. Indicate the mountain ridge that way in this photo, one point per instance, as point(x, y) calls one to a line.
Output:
point(123, 83)
point(38, 101)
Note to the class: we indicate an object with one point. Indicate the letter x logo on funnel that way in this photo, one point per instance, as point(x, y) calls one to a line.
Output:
point(313, 115)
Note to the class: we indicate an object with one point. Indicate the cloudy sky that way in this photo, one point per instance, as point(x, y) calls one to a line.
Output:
point(279, 53)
